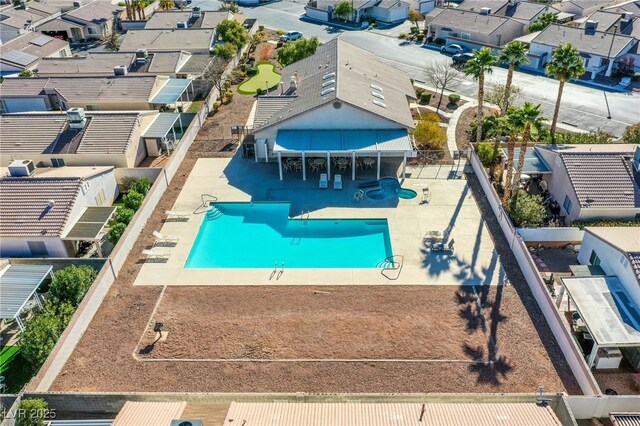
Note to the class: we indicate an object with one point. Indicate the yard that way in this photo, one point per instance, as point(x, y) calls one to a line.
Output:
point(267, 74)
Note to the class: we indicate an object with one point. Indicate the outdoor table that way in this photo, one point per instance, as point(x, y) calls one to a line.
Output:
point(369, 162)
point(435, 235)
point(319, 161)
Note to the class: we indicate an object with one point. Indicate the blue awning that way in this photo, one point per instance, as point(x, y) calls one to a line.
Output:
point(172, 91)
point(162, 125)
point(395, 141)
point(533, 163)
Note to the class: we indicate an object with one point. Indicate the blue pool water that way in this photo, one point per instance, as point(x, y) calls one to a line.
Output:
point(390, 187)
point(256, 235)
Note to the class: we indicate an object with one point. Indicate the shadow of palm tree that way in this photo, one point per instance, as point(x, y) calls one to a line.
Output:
point(489, 372)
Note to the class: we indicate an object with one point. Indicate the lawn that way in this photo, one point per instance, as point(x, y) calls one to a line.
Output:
point(6, 354)
point(266, 73)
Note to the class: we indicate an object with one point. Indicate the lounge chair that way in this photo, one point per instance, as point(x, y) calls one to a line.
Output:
point(178, 214)
point(163, 240)
point(154, 254)
point(337, 182)
point(324, 181)
point(426, 195)
point(444, 247)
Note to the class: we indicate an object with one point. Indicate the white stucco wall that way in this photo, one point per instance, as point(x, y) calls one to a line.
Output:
point(612, 261)
point(559, 185)
point(318, 14)
point(19, 247)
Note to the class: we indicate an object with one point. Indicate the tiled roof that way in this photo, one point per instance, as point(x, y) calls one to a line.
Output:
point(31, 207)
point(602, 180)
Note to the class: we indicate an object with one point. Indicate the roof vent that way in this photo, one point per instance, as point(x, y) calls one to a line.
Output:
point(76, 117)
point(77, 4)
point(485, 11)
point(327, 91)
point(380, 104)
point(328, 83)
point(377, 95)
point(181, 24)
point(21, 168)
point(328, 76)
point(51, 203)
point(120, 70)
point(590, 26)
point(378, 88)
point(627, 16)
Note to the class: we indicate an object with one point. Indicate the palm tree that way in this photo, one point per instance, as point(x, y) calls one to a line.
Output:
point(504, 129)
point(528, 117)
point(482, 62)
point(566, 63)
point(167, 4)
point(514, 54)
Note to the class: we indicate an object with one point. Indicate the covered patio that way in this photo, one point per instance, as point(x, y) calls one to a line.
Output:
point(162, 134)
point(91, 227)
point(176, 90)
point(331, 150)
point(18, 285)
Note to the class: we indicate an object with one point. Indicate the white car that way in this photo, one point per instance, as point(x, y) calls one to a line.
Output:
point(452, 48)
point(290, 35)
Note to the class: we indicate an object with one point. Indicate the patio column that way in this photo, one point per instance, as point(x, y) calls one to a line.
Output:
point(38, 301)
point(280, 164)
point(328, 165)
point(378, 172)
point(180, 121)
point(174, 134)
point(19, 321)
point(592, 355)
point(304, 166)
point(560, 296)
point(266, 151)
point(353, 165)
point(404, 165)
point(98, 248)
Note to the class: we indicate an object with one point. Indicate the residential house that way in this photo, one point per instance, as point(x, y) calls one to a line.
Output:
point(47, 213)
point(599, 49)
point(383, 11)
point(114, 93)
point(341, 101)
point(632, 6)
point(172, 63)
point(193, 40)
point(77, 138)
point(29, 16)
point(422, 6)
point(593, 181)
point(472, 29)
point(25, 51)
point(618, 23)
point(95, 20)
point(526, 12)
point(187, 19)
point(585, 7)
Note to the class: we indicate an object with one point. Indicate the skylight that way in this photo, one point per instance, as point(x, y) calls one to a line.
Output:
point(377, 95)
point(329, 90)
point(328, 83)
point(380, 104)
point(328, 76)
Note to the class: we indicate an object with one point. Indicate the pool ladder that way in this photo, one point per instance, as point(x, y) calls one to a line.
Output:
point(304, 216)
point(214, 213)
point(390, 264)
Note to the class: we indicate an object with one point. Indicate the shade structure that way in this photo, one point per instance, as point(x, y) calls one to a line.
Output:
point(394, 142)
point(162, 125)
point(172, 91)
point(18, 284)
point(90, 225)
point(533, 162)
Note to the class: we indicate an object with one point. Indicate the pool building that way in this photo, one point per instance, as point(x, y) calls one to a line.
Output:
point(339, 104)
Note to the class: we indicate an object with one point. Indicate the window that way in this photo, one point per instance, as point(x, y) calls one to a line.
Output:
point(92, 30)
point(465, 36)
point(57, 162)
point(594, 259)
point(567, 204)
point(38, 248)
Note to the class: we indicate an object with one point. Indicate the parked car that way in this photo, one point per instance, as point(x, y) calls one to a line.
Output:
point(291, 35)
point(452, 48)
point(461, 58)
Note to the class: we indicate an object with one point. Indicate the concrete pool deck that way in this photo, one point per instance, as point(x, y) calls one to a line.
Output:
point(474, 261)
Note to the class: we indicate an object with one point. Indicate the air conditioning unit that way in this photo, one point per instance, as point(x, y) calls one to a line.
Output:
point(21, 168)
point(186, 423)
point(77, 4)
point(76, 117)
point(485, 11)
point(120, 70)
point(196, 13)
point(181, 24)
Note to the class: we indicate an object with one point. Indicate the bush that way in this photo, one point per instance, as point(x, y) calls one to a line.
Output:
point(260, 28)
point(414, 30)
point(440, 41)
point(69, 285)
point(225, 51)
point(243, 67)
point(598, 137)
point(279, 44)
point(228, 96)
point(632, 134)
point(297, 50)
point(142, 186)
point(25, 73)
point(133, 200)
point(454, 99)
point(34, 412)
point(124, 215)
point(606, 223)
point(402, 36)
point(420, 37)
point(429, 135)
point(252, 71)
point(425, 98)
point(488, 157)
point(489, 123)
point(116, 231)
point(526, 210)
point(430, 116)
point(419, 91)
point(259, 91)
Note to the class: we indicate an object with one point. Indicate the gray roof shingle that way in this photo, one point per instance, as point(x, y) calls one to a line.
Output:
point(598, 43)
point(467, 20)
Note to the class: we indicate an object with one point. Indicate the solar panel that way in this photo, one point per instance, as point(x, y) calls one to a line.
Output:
point(19, 58)
point(41, 40)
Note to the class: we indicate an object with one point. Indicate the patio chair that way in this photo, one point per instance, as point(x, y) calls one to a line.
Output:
point(337, 182)
point(162, 239)
point(444, 247)
point(359, 196)
point(178, 214)
point(324, 181)
point(426, 195)
point(154, 254)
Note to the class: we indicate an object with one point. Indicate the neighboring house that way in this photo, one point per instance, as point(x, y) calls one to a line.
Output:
point(339, 101)
point(47, 214)
point(632, 6)
point(95, 20)
point(471, 28)
point(422, 6)
point(526, 12)
point(599, 50)
point(187, 19)
point(94, 93)
point(585, 7)
point(193, 40)
point(617, 251)
point(30, 16)
point(383, 11)
point(175, 63)
point(62, 139)
point(25, 51)
point(593, 181)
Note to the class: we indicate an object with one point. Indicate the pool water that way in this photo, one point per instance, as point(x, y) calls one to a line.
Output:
point(390, 187)
point(257, 235)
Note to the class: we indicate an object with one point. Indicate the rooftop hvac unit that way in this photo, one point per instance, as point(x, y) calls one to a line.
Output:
point(76, 117)
point(181, 24)
point(119, 70)
point(77, 4)
point(186, 423)
point(627, 16)
point(590, 26)
point(485, 11)
point(196, 13)
point(21, 168)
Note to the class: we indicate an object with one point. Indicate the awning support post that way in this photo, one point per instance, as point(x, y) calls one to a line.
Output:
point(560, 296)
point(378, 172)
point(180, 121)
point(353, 165)
point(404, 165)
point(266, 151)
point(328, 165)
point(592, 355)
point(98, 248)
point(304, 166)
point(280, 164)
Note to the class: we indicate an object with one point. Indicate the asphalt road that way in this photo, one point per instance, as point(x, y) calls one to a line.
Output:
point(582, 106)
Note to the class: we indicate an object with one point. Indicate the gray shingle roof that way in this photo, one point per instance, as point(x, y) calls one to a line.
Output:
point(97, 11)
point(602, 180)
point(597, 43)
point(170, 19)
point(523, 10)
point(356, 71)
point(23, 43)
point(191, 39)
point(463, 19)
point(25, 205)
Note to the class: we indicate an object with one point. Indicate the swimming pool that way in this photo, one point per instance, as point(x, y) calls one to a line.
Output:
point(257, 235)
point(390, 187)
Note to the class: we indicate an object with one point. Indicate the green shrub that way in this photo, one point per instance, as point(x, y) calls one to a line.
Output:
point(430, 116)
point(243, 67)
point(419, 91)
point(228, 96)
point(133, 200)
point(260, 28)
point(425, 98)
point(454, 99)
point(402, 36)
point(606, 223)
point(124, 215)
point(225, 51)
point(632, 134)
point(69, 285)
point(142, 185)
point(487, 155)
point(279, 44)
point(25, 73)
point(34, 412)
point(116, 232)
point(429, 135)
point(259, 91)
point(420, 37)
point(526, 210)
point(252, 71)
point(598, 137)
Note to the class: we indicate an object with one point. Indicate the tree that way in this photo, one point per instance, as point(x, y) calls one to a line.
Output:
point(414, 17)
point(230, 7)
point(566, 63)
point(514, 54)
point(497, 95)
point(526, 210)
point(429, 135)
point(344, 10)
point(113, 43)
point(225, 51)
point(138, 6)
point(69, 285)
point(545, 20)
point(133, 200)
point(482, 63)
point(124, 215)
point(142, 185)
point(232, 32)
point(297, 50)
point(505, 130)
point(115, 232)
point(528, 117)
point(215, 74)
point(167, 4)
point(632, 134)
point(32, 412)
point(43, 331)
point(440, 75)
